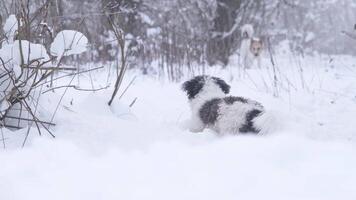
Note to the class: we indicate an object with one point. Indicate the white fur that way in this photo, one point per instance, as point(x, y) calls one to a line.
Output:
point(266, 122)
point(246, 56)
point(209, 91)
point(232, 117)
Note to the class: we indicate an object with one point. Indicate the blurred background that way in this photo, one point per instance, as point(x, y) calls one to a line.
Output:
point(182, 33)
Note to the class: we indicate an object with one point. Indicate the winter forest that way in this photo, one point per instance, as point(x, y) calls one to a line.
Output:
point(177, 99)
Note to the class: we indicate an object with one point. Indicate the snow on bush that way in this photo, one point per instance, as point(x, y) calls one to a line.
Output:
point(22, 57)
point(30, 51)
point(10, 27)
point(69, 42)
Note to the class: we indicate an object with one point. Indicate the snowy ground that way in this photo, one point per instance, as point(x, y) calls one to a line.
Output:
point(108, 153)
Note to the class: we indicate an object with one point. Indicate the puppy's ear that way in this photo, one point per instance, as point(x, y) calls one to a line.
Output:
point(193, 86)
point(222, 84)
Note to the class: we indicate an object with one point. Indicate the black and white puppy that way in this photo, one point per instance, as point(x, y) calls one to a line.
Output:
point(211, 108)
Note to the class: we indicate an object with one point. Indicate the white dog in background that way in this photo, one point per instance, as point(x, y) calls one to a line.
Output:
point(251, 47)
point(211, 108)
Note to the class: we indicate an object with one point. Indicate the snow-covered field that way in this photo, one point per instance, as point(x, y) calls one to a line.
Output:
point(147, 153)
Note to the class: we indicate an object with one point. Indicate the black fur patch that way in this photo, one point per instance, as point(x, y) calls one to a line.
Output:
point(248, 126)
point(209, 111)
point(222, 84)
point(193, 86)
point(231, 99)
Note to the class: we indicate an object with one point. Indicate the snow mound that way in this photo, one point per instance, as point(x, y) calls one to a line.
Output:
point(122, 111)
point(69, 42)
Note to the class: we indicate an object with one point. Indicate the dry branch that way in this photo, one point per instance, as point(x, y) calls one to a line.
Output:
point(120, 36)
point(350, 35)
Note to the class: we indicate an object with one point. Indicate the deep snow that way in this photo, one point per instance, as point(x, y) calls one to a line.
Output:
point(147, 153)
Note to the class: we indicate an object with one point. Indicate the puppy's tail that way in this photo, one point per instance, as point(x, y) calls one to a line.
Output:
point(266, 122)
point(247, 31)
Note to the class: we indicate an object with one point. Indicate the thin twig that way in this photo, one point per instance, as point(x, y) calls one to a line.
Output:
point(128, 86)
point(60, 100)
point(30, 120)
point(51, 68)
point(76, 88)
point(133, 102)
point(350, 35)
point(72, 74)
point(275, 79)
point(10, 126)
point(2, 136)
